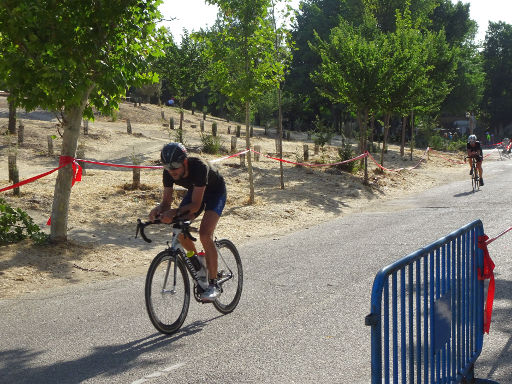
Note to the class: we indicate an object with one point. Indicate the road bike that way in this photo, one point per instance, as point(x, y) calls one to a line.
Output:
point(475, 179)
point(167, 288)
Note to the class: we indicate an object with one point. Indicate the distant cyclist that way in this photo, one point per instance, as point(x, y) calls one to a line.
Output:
point(475, 150)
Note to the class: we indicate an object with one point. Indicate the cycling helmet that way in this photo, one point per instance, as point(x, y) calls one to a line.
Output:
point(472, 138)
point(173, 155)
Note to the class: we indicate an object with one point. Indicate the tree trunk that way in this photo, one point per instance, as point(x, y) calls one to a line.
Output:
point(280, 135)
point(12, 117)
point(248, 146)
point(72, 118)
point(363, 125)
point(402, 144)
point(387, 117)
point(412, 132)
point(362, 120)
point(372, 132)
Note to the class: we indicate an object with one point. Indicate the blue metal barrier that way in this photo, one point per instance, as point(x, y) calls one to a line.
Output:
point(429, 328)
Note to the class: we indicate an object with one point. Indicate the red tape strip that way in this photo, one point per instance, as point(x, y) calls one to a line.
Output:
point(120, 165)
point(487, 273)
point(397, 169)
point(31, 179)
point(361, 156)
point(436, 153)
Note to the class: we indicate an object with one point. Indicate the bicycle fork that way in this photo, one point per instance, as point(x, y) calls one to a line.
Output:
point(222, 275)
point(166, 277)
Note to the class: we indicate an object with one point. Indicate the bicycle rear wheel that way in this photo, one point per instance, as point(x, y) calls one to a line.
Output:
point(167, 292)
point(230, 276)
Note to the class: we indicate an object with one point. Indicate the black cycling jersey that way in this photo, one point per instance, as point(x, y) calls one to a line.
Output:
point(200, 174)
point(477, 148)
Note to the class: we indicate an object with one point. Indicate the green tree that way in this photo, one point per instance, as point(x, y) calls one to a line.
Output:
point(385, 12)
point(71, 56)
point(497, 56)
point(405, 72)
point(314, 17)
point(460, 31)
point(243, 61)
point(352, 71)
point(282, 54)
point(183, 67)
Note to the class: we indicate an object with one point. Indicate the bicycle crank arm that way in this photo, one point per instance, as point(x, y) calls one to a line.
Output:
point(224, 279)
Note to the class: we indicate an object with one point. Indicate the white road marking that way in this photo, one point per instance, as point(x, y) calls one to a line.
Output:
point(158, 373)
point(173, 367)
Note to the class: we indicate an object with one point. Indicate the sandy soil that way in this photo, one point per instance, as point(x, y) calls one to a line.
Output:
point(104, 208)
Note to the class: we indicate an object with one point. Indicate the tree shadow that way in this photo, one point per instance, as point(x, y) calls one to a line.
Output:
point(331, 191)
point(38, 114)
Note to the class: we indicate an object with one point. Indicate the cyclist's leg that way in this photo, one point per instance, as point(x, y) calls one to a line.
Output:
point(479, 167)
point(214, 205)
point(208, 225)
point(188, 244)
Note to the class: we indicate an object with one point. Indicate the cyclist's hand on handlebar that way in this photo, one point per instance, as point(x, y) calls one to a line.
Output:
point(154, 213)
point(166, 217)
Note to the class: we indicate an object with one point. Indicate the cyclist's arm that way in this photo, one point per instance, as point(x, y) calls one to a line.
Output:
point(474, 153)
point(196, 201)
point(165, 205)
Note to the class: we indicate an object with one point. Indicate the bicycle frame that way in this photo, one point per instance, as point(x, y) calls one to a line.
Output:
point(177, 250)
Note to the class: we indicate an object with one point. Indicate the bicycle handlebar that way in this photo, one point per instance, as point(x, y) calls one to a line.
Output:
point(180, 223)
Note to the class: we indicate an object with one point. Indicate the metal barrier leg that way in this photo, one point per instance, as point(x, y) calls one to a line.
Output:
point(470, 376)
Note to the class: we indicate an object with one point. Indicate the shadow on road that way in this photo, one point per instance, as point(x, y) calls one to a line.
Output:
point(16, 366)
point(464, 193)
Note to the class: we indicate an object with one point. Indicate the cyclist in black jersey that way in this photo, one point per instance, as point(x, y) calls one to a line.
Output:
point(206, 191)
point(475, 150)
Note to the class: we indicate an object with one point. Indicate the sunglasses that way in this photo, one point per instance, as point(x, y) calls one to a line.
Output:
point(173, 165)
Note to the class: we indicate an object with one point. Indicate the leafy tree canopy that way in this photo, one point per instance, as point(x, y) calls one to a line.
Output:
point(53, 52)
point(241, 50)
point(182, 66)
point(497, 56)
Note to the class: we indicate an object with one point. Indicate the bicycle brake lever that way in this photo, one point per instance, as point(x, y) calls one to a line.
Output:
point(140, 228)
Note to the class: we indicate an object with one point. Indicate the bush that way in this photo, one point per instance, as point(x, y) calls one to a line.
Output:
point(437, 142)
point(322, 133)
point(17, 225)
point(346, 152)
point(441, 144)
point(211, 144)
point(457, 145)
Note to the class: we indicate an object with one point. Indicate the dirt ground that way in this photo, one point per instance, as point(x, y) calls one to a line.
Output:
point(104, 208)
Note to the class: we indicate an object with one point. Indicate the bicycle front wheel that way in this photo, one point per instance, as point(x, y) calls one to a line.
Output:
point(476, 181)
point(167, 292)
point(229, 275)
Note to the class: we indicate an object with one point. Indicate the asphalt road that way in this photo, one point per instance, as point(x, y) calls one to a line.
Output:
point(301, 317)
